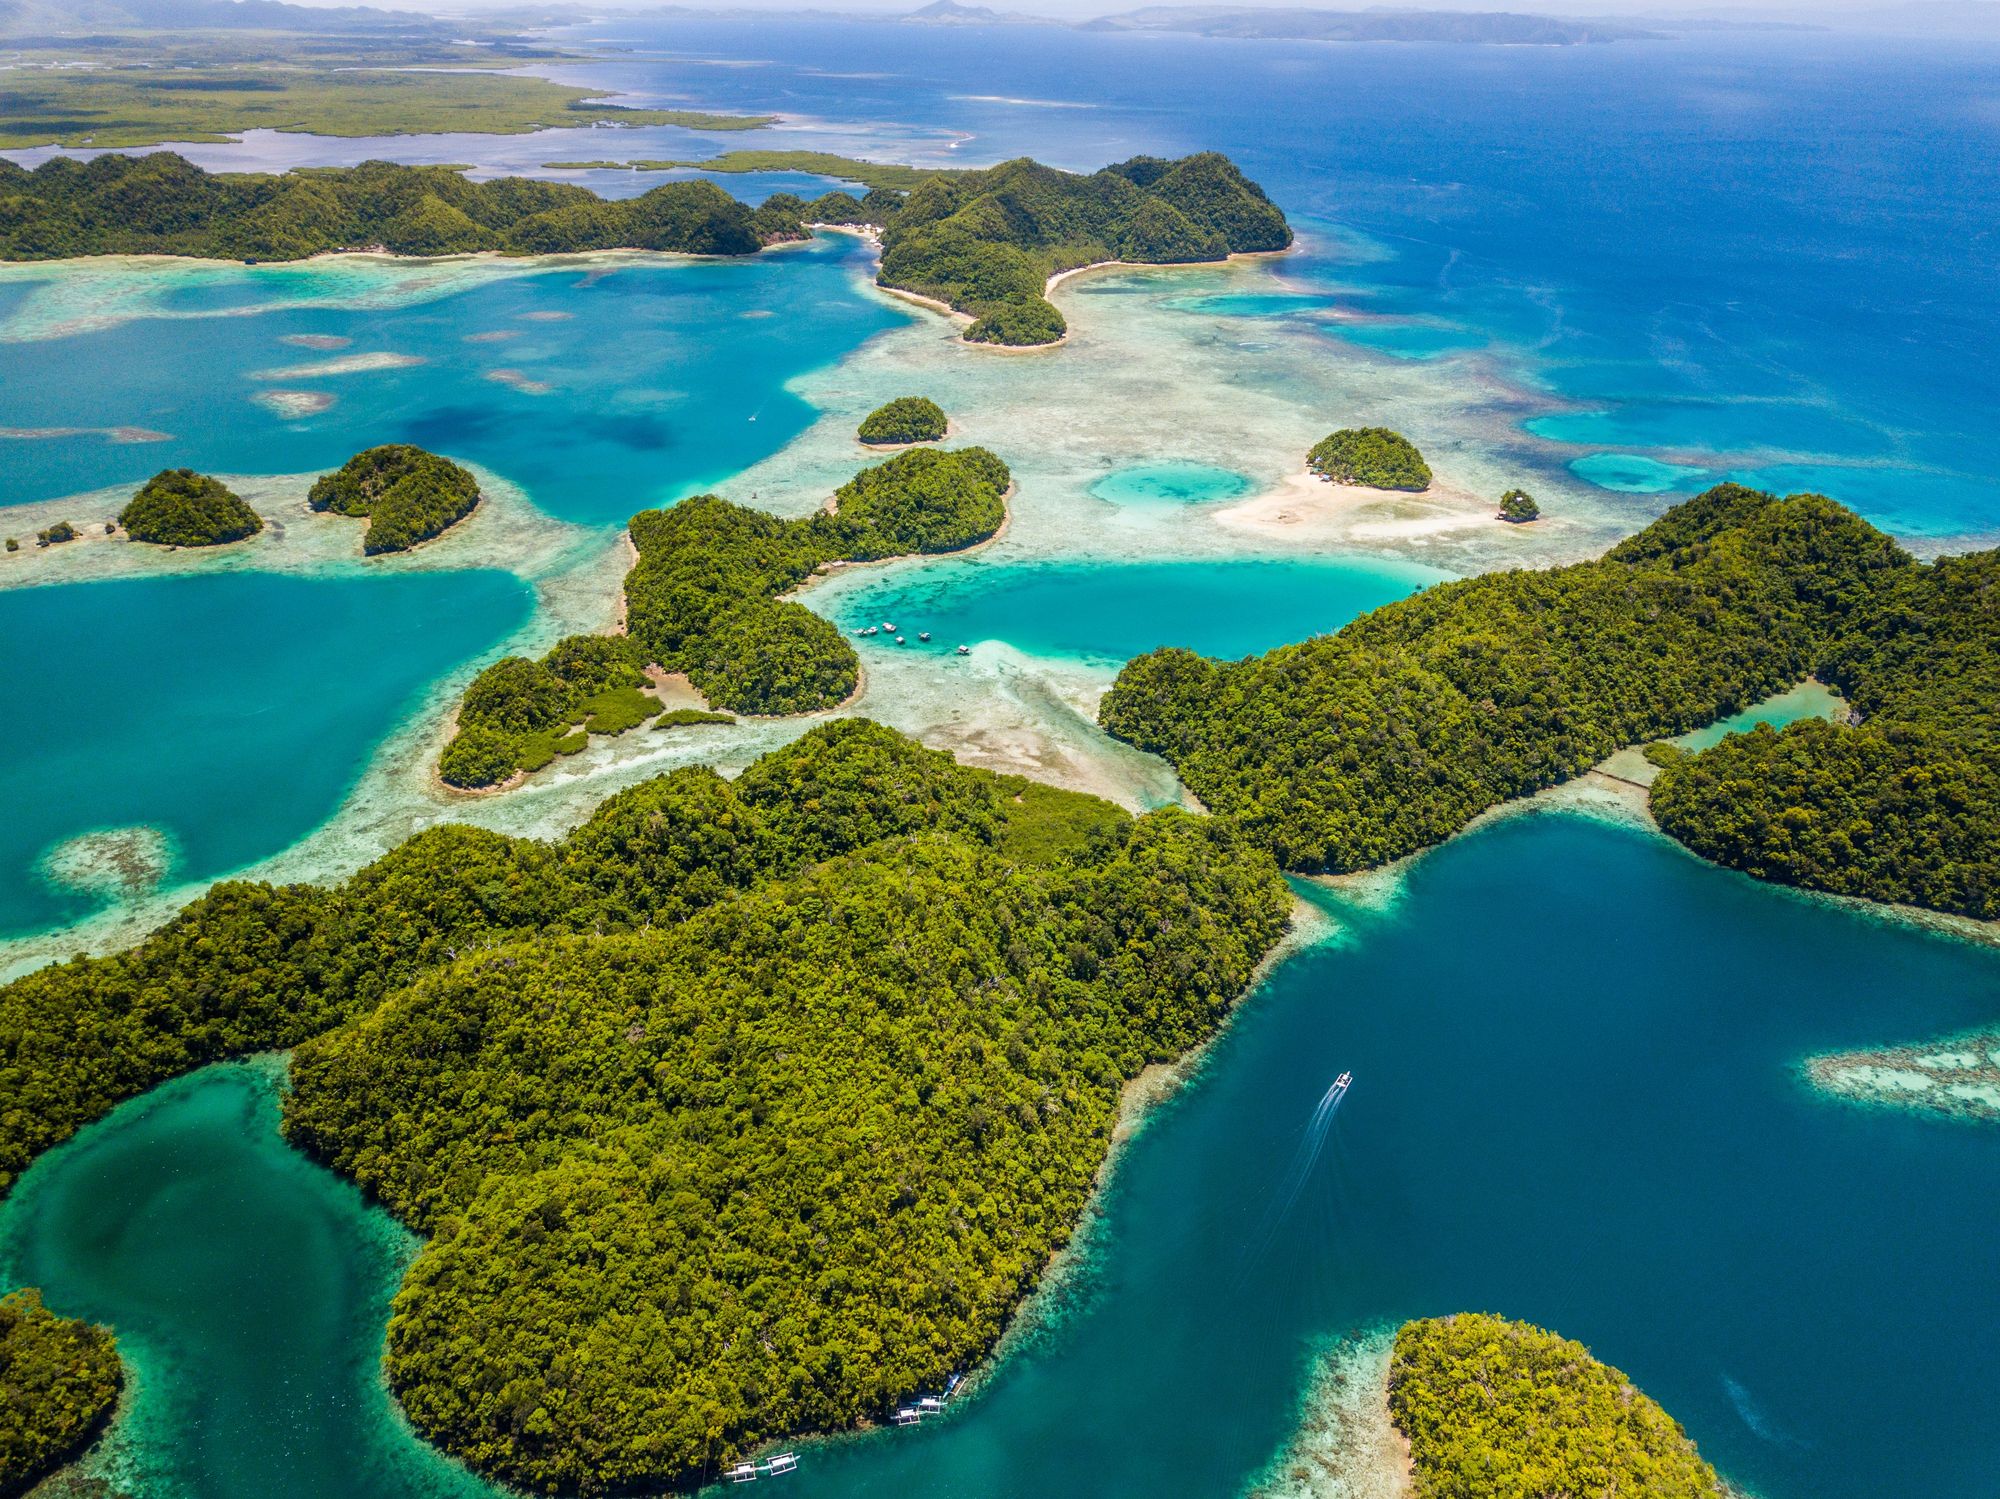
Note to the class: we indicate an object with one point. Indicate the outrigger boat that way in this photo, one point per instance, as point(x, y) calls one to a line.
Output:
point(771, 1467)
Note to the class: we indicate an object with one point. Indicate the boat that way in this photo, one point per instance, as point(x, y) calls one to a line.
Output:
point(899, 640)
point(930, 1405)
point(923, 634)
point(887, 628)
point(907, 1416)
point(782, 1462)
point(965, 650)
point(742, 1473)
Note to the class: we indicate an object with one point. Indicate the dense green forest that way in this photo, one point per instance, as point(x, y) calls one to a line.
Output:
point(1494, 1408)
point(747, 1109)
point(704, 599)
point(1374, 456)
point(407, 494)
point(1519, 507)
point(59, 1380)
point(162, 204)
point(178, 507)
point(903, 420)
point(1903, 805)
point(1355, 748)
point(987, 242)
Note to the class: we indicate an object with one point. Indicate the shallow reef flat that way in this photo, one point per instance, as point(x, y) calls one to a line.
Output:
point(1958, 1076)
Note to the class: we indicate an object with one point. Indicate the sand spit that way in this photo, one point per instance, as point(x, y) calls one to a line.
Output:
point(347, 364)
point(295, 404)
point(1304, 510)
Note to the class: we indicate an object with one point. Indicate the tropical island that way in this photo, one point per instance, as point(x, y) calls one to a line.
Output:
point(1356, 748)
point(705, 600)
point(406, 494)
point(178, 507)
point(1478, 1397)
point(1374, 457)
point(905, 420)
point(59, 1380)
point(747, 1110)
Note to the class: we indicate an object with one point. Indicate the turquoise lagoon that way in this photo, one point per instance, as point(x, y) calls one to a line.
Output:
point(600, 386)
point(1175, 483)
point(1636, 473)
point(1113, 611)
point(1607, 1134)
point(229, 712)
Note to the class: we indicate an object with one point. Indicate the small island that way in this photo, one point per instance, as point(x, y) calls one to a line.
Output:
point(1373, 457)
point(178, 507)
point(905, 420)
point(407, 495)
point(705, 600)
point(1518, 507)
point(56, 535)
point(1478, 1397)
point(59, 1380)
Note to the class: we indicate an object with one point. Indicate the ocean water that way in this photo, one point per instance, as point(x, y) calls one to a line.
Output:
point(1111, 612)
point(228, 712)
point(601, 389)
point(1606, 1134)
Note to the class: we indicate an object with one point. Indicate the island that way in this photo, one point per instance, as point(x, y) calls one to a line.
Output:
point(748, 1110)
point(705, 600)
point(59, 1381)
point(1478, 1396)
point(178, 507)
point(1374, 457)
point(407, 495)
point(1518, 507)
point(905, 420)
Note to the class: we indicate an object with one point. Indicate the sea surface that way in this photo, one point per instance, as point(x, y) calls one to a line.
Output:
point(1576, 1100)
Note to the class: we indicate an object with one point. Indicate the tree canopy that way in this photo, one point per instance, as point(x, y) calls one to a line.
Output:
point(1518, 506)
point(178, 507)
point(162, 204)
point(1373, 456)
point(407, 494)
point(747, 1110)
point(903, 420)
point(705, 599)
point(59, 1380)
point(1355, 748)
point(1503, 1410)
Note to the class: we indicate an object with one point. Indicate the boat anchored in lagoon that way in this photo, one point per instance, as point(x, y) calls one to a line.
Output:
point(770, 1467)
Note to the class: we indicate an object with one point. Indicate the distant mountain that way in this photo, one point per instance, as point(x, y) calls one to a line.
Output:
point(951, 13)
point(208, 15)
point(1488, 27)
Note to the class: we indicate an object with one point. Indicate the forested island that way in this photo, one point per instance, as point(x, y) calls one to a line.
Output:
point(1357, 748)
point(704, 599)
point(747, 1110)
point(59, 1380)
point(178, 507)
point(905, 420)
point(1371, 456)
point(1492, 1407)
point(407, 495)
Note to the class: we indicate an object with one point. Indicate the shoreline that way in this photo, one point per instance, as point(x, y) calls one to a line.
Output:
point(1302, 509)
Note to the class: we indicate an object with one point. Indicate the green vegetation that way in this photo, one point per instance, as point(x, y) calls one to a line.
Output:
point(1495, 1408)
point(162, 204)
point(13, 543)
point(145, 106)
point(680, 718)
point(746, 1110)
point(905, 419)
point(59, 1380)
point(55, 535)
point(1372, 456)
point(1356, 748)
point(1518, 506)
point(705, 599)
point(178, 507)
point(1902, 806)
point(407, 494)
point(987, 242)
point(871, 174)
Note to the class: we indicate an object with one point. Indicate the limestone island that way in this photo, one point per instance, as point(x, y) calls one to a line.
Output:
point(407, 495)
point(1479, 1398)
point(178, 507)
point(750, 1109)
point(59, 1381)
point(705, 601)
point(1373, 457)
point(1356, 748)
point(905, 420)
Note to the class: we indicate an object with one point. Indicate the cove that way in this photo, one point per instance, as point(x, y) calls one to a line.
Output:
point(600, 386)
point(230, 712)
point(1113, 611)
point(249, 1289)
point(1563, 1109)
